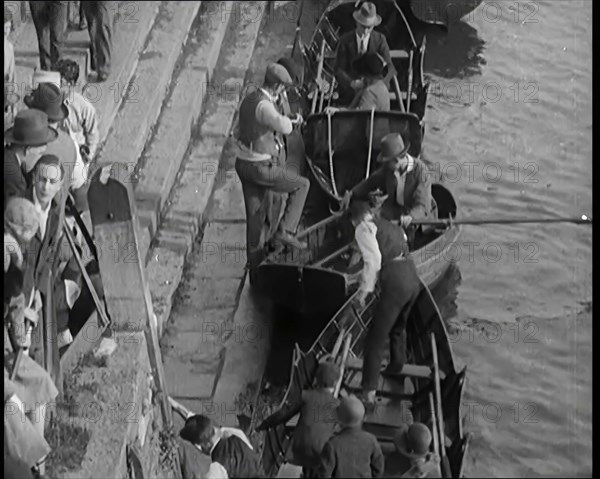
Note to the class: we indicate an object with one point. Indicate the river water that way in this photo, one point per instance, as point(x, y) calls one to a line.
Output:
point(510, 125)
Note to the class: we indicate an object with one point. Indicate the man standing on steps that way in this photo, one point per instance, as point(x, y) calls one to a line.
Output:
point(100, 21)
point(50, 21)
point(260, 162)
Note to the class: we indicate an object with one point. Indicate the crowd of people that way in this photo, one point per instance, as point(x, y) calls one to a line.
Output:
point(50, 139)
point(328, 441)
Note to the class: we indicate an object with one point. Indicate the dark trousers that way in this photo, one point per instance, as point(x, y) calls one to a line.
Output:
point(257, 178)
point(50, 21)
point(400, 287)
point(100, 19)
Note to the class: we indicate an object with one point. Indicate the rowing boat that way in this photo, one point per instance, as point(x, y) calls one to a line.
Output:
point(321, 278)
point(341, 149)
point(406, 38)
point(429, 389)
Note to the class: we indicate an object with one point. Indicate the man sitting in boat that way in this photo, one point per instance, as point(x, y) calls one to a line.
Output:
point(412, 457)
point(352, 452)
point(230, 450)
point(375, 94)
point(356, 43)
point(405, 181)
point(260, 162)
point(315, 424)
point(384, 252)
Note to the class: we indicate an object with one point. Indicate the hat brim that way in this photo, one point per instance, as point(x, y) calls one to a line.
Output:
point(51, 135)
point(360, 65)
point(366, 22)
point(382, 159)
point(403, 447)
point(28, 100)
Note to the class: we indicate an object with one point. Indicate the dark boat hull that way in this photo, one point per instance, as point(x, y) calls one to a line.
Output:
point(308, 288)
point(425, 319)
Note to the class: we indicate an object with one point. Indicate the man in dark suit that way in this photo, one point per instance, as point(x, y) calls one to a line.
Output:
point(405, 181)
point(47, 181)
point(317, 419)
point(356, 43)
point(352, 452)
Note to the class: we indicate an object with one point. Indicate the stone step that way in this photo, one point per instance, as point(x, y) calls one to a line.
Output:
point(186, 211)
point(149, 87)
point(130, 34)
point(163, 156)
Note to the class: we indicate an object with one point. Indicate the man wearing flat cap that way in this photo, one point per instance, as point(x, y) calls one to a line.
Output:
point(405, 181)
point(356, 43)
point(261, 164)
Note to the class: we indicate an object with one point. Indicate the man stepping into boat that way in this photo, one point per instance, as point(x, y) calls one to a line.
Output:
point(352, 452)
point(229, 448)
point(356, 43)
point(317, 419)
point(405, 181)
point(384, 251)
point(413, 457)
point(260, 160)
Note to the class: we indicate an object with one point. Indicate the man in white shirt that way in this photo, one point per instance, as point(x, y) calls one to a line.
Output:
point(229, 448)
point(81, 121)
point(261, 164)
point(384, 250)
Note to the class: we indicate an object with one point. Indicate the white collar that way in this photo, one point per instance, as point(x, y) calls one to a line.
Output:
point(37, 203)
point(359, 38)
point(268, 95)
point(409, 168)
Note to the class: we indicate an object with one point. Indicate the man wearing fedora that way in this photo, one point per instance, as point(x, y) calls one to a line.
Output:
point(405, 181)
point(48, 98)
point(261, 164)
point(26, 140)
point(352, 452)
point(413, 457)
point(356, 43)
point(372, 67)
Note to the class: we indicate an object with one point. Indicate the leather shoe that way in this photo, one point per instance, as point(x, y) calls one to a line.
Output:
point(290, 240)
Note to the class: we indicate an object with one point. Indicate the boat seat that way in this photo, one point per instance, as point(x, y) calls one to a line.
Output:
point(293, 422)
point(402, 54)
point(409, 370)
point(393, 96)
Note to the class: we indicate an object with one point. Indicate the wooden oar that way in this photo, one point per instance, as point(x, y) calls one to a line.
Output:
point(318, 78)
point(338, 344)
point(449, 222)
point(338, 386)
point(297, 36)
point(16, 364)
